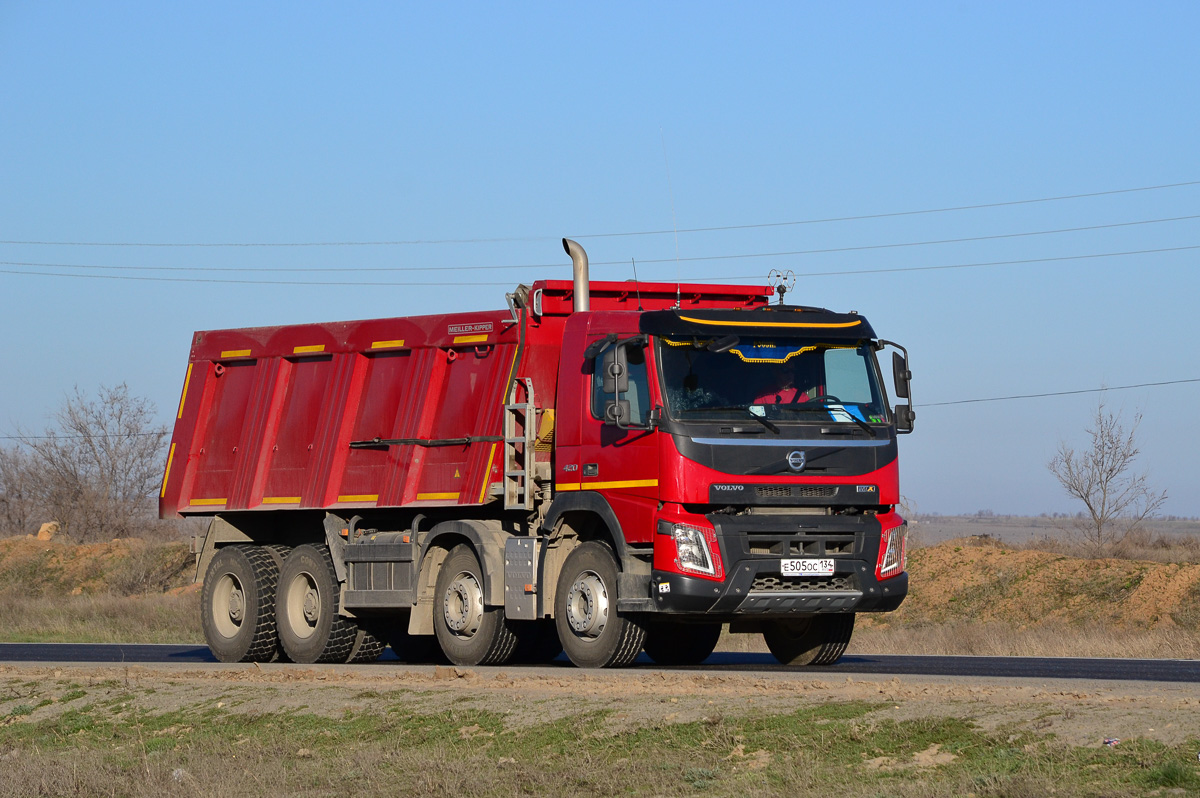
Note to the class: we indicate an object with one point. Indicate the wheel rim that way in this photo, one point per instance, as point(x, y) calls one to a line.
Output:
point(228, 606)
point(303, 605)
point(462, 605)
point(587, 606)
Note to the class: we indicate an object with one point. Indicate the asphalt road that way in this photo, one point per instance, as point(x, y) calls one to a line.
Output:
point(1149, 670)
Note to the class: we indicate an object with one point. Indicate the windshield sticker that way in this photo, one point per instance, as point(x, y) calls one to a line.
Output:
point(845, 414)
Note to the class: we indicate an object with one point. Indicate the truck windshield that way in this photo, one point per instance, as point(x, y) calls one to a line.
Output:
point(784, 379)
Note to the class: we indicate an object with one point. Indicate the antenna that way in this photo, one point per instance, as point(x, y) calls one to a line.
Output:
point(636, 287)
point(783, 281)
point(674, 225)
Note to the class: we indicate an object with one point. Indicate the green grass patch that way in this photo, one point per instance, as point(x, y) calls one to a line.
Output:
point(848, 749)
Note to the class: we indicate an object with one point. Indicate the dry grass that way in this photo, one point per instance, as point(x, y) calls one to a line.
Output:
point(102, 618)
point(1048, 640)
point(1141, 545)
point(128, 738)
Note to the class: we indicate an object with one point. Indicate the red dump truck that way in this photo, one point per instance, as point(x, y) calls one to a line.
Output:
point(601, 468)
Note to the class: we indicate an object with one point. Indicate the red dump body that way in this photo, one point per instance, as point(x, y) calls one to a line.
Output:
point(268, 414)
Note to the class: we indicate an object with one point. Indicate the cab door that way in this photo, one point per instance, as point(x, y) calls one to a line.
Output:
point(618, 455)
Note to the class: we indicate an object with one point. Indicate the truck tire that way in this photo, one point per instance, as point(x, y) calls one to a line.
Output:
point(279, 552)
point(413, 649)
point(537, 642)
point(681, 643)
point(819, 640)
point(369, 643)
point(237, 605)
point(310, 628)
point(468, 632)
point(592, 632)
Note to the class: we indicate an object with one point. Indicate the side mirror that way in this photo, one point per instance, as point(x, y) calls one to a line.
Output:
point(900, 374)
point(616, 412)
point(615, 371)
point(905, 416)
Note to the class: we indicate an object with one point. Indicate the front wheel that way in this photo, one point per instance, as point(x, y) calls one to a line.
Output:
point(592, 632)
point(819, 640)
point(681, 643)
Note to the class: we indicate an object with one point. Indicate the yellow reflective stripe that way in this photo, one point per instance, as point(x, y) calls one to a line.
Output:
point(360, 497)
point(183, 398)
point(235, 353)
point(840, 324)
point(301, 350)
point(387, 344)
point(281, 500)
point(628, 483)
point(206, 502)
point(487, 474)
point(425, 497)
point(167, 473)
point(470, 339)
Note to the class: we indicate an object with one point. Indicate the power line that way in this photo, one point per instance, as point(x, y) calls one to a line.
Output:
point(507, 239)
point(894, 213)
point(926, 404)
point(528, 266)
point(1058, 393)
point(978, 265)
point(865, 247)
point(217, 281)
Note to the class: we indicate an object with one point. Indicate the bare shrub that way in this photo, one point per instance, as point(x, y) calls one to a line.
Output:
point(152, 569)
point(1140, 544)
point(96, 470)
point(17, 510)
point(1100, 476)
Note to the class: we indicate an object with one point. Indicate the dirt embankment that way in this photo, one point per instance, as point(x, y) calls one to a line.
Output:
point(126, 566)
point(966, 582)
point(969, 580)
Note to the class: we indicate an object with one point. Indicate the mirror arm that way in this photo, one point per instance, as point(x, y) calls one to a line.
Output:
point(911, 415)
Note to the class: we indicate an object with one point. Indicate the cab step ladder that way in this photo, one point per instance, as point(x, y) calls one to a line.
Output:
point(520, 432)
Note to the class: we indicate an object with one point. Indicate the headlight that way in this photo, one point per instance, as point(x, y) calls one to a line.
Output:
point(893, 551)
point(697, 551)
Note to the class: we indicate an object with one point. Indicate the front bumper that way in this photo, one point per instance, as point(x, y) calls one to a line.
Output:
point(751, 549)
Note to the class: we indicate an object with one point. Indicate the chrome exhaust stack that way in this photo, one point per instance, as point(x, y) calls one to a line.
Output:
point(579, 264)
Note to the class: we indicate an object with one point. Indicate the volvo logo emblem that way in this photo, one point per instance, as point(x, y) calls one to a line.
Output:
point(795, 460)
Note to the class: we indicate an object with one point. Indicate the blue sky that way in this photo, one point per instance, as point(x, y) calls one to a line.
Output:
point(235, 123)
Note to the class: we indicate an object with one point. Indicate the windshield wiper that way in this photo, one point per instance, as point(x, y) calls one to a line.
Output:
point(861, 423)
point(745, 410)
point(822, 404)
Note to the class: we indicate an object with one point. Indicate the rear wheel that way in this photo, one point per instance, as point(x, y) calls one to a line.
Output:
point(681, 643)
point(592, 632)
point(310, 628)
point(537, 642)
point(369, 642)
point(237, 605)
point(819, 640)
point(415, 649)
point(279, 552)
point(469, 632)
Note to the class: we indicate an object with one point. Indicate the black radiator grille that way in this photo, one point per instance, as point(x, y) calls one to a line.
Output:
point(789, 491)
point(817, 545)
point(767, 583)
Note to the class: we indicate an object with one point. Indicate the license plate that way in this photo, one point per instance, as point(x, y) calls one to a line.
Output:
point(822, 567)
